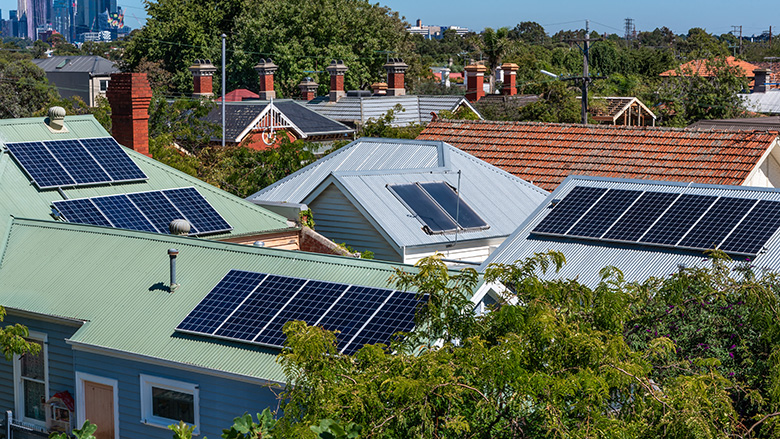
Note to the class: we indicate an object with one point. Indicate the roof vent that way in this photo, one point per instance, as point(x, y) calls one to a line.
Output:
point(56, 120)
point(179, 227)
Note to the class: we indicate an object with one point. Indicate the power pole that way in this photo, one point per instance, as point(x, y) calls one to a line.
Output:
point(585, 79)
point(734, 30)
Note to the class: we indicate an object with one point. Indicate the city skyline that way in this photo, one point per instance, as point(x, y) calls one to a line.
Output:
point(605, 16)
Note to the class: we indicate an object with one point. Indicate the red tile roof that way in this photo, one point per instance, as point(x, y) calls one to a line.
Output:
point(238, 95)
point(545, 153)
point(699, 67)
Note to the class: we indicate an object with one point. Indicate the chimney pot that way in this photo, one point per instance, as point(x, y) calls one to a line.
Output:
point(202, 78)
point(130, 95)
point(510, 78)
point(475, 75)
point(396, 70)
point(265, 70)
point(336, 70)
point(308, 89)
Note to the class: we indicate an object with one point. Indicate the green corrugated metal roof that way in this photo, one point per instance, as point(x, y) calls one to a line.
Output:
point(20, 198)
point(115, 279)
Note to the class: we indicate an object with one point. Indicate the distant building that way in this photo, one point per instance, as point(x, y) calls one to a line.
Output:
point(434, 32)
point(84, 76)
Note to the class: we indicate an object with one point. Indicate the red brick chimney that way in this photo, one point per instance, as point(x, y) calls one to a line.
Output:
point(396, 69)
point(336, 70)
point(130, 95)
point(202, 78)
point(475, 75)
point(308, 89)
point(510, 78)
point(265, 69)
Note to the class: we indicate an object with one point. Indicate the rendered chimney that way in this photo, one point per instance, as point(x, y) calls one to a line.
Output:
point(202, 78)
point(475, 75)
point(379, 88)
point(308, 89)
point(396, 69)
point(510, 78)
point(759, 82)
point(130, 95)
point(265, 69)
point(336, 70)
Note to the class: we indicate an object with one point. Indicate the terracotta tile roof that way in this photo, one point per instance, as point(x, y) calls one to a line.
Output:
point(545, 153)
point(238, 95)
point(699, 67)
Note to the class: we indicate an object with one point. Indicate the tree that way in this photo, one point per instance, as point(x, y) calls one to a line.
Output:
point(494, 44)
point(13, 339)
point(529, 32)
point(24, 88)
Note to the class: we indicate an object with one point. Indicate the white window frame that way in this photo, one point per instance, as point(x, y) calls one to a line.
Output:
point(19, 385)
point(81, 403)
point(147, 416)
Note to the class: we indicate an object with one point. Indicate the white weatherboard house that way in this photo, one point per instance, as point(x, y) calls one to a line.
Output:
point(407, 199)
point(647, 228)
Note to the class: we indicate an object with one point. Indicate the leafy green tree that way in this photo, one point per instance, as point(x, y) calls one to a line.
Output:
point(244, 427)
point(24, 88)
point(530, 32)
point(494, 44)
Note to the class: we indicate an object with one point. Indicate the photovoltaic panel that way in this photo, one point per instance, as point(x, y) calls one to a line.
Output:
point(678, 219)
point(159, 210)
point(308, 305)
point(113, 159)
point(755, 230)
point(78, 162)
point(122, 213)
point(396, 315)
point(221, 301)
point(40, 165)
point(82, 211)
point(594, 223)
point(197, 210)
point(451, 202)
point(425, 208)
point(569, 210)
point(717, 223)
point(352, 311)
point(260, 307)
point(639, 217)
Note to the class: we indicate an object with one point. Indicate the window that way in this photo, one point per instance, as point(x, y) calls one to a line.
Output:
point(165, 402)
point(31, 382)
point(103, 85)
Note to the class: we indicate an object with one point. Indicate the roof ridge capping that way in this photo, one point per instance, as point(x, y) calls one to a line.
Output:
point(590, 178)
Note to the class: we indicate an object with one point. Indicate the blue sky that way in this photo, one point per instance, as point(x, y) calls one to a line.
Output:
point(716, 16)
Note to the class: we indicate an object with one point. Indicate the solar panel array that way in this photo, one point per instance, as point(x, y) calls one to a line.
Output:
point(146, 211)
point(688, 221)
point(75, 162)
point(439, 207)
point(253, 307)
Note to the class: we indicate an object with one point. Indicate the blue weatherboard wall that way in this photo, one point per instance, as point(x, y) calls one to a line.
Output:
point(221, 399)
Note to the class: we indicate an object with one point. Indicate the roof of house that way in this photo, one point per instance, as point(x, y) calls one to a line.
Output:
point(21, 198)
point(365, 167)
point(699, 67)
point(96, 65)
point(767, 102)
point(615, 107)
point(116, 281)
point(586, 257)
point(513, 100)
point(239, 95)
point(770, 123)
point(545, 153)
point(240, 117)
point(415, 109)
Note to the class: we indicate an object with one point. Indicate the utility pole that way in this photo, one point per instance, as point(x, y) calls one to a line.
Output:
point(734, 30)
point(585, 79)
point(224, 75)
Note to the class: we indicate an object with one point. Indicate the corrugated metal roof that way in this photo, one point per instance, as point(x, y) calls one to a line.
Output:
point(584, 258)
point(415, 109)
point(21, 198)
point(768, 102)
point(82, 63)
point(116, 281)
point(764, 123)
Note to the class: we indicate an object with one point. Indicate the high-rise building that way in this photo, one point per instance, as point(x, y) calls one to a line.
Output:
point(88, 14)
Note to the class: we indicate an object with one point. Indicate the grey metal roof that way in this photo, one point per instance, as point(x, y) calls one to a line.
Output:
point(584, 259)
point(768, 102)
point(365, 166)
point(770, 123)
point(416, 109)
point(96, 65)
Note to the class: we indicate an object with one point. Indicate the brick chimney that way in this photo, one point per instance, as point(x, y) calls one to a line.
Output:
point(475, 75)
point(510, 78)
point(759, 82)
point(265, 69)
point(130, 95)
point(396, 69)
point(379, 88)
point(202, 78)
point(308, 89)
point(336, 70)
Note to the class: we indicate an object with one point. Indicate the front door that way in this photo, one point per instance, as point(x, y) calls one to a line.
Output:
point(99, 408)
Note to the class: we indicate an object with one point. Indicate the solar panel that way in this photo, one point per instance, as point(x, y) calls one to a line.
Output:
point(82, 211)
point(598, 219)
point(678, 219)
point(75, 162)
point(717, 223)
point(451, 202)
point(434, 218)
point(755, 230)
point(158, 210)
point(123, 214)
point(639, 217)
point(569, 210)
point(253, 307)
point(40, 165)
point(197, 210)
